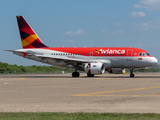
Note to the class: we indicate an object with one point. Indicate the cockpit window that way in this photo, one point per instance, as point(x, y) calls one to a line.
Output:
point(148, 54)
point(140, 54)
point(144, 54)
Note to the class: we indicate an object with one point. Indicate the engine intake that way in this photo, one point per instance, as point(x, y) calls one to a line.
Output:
point(94, 68)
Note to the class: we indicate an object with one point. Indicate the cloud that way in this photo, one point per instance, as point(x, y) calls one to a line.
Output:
point(146, 26)
point(115, 32)
point(148, 4)
point(74, 33)
point(138, 14)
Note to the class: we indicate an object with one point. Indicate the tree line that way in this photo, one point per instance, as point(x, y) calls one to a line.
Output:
point(6, 68)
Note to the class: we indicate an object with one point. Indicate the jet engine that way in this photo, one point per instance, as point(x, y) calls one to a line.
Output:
point(117, 70)
point(94, 68)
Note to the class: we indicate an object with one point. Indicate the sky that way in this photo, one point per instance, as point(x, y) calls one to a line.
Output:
point(81, 23)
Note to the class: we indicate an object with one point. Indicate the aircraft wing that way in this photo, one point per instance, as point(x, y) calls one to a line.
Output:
point(66, 59)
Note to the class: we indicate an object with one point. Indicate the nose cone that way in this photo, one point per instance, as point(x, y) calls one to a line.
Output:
point(154, 61)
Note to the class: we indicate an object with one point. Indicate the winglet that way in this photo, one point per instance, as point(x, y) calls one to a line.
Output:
point(29, 38)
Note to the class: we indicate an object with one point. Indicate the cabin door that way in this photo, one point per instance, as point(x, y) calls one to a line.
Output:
point(129, 54)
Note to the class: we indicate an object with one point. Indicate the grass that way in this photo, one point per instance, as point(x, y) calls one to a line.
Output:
point(78, 116)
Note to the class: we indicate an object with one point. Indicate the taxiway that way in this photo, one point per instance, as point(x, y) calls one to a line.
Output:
point(62, 93)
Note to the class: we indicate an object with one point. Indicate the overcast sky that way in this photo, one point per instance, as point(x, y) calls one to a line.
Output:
point(90, 23)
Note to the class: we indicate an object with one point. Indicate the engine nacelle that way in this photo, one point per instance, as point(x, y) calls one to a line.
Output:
point(117, 70)
point(94, 68)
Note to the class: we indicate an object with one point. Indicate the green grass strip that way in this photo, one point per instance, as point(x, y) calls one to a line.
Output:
point(78, 116)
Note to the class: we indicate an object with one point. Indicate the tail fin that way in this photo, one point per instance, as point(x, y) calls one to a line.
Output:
point(29, 38)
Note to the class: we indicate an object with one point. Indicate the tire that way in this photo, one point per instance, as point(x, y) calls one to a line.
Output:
point(75, 74)
point(131, 75)
point(90, 75)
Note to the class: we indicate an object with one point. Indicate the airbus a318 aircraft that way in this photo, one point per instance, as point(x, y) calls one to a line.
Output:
point(92, 60)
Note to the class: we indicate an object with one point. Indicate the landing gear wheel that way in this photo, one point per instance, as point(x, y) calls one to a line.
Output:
point(131, 75)
point(131, 72)
point(90, 75)
point(75, 74)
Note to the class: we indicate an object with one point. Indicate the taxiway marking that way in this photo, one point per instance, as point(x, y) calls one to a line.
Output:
point(104, 78)
point(97, 93)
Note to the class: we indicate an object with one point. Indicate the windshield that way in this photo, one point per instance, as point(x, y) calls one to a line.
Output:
point(148, 54)
point(144, 54)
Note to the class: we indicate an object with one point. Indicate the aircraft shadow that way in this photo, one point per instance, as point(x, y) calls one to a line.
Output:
point(69, 76)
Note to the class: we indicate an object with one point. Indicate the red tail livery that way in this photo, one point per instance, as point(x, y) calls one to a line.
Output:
point(29, 38)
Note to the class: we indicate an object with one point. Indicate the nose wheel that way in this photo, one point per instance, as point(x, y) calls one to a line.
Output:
point(131, 72)
point(131, 75)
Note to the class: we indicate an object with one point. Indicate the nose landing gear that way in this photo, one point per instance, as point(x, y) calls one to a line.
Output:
point(131, 72)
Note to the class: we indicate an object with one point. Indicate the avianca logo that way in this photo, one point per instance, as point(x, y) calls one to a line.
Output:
point(110, 51)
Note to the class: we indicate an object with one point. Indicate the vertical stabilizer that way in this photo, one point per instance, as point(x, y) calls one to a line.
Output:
point(29, 38)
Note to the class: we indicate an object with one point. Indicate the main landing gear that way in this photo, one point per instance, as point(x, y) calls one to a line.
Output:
point(90, 75)
point(131, 72)
point(75, 74)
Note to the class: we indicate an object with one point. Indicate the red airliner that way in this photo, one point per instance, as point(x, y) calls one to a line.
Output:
point(92, 60)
